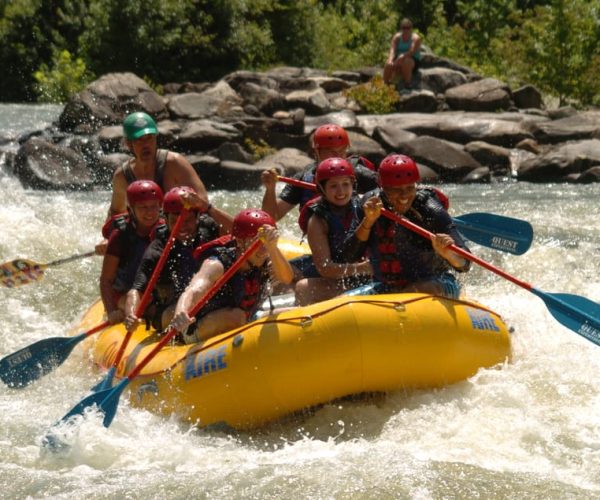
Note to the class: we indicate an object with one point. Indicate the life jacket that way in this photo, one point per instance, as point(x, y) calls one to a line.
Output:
point(161, 160)
point(401, 256)
point(136, 246)
point(245, 289)
point(338, 226)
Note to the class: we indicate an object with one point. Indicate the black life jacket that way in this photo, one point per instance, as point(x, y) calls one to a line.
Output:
point(245, 289)
point(136, 246)
point(339, 226)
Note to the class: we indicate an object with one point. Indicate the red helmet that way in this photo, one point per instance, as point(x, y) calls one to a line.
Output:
point(330, 136)
point(247, 223)
point(140, 191)
point(397, 170)
point(333, 167)
point(172, 203)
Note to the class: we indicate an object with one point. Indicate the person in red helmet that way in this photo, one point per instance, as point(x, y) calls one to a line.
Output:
point(242, 295)
point(167, 168)
point(197, 228)
point(328, 141)
point(327, 220)
point(402, 260)
point(129, 236)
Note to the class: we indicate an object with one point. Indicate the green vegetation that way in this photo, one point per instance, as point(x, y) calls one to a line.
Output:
point(259, 149)
point(51, 48)
point(374, 97)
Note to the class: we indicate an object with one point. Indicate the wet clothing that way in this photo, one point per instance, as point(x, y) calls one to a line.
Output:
point(161, 160)
point(246, 289)
point(177, 272)
point(339, 225)
point(129, 248)
point(400, 256)
point(366, 180)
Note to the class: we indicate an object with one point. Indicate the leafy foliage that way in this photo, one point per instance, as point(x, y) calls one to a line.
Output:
point(554, 44)
point(374, 96)
point(59, 82)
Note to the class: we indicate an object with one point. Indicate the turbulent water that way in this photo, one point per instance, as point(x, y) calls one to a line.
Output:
point(528, 429)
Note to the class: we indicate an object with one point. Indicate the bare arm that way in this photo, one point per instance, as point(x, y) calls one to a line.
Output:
point(415, 46)
point(110, 264)
point(440, 243)
point(392, 51)
point(118, 202)
point(179, 172)
point(131, 305)
point(281, 268)
point(210, 271)
point(274, 206)
point(319, 244)
point(222, 218)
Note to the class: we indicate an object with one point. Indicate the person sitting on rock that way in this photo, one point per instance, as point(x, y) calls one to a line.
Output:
point(197, 228)
point(327, 220)
point(243, 294)
point(402, 260)
point(128, 237)
point(404, 55)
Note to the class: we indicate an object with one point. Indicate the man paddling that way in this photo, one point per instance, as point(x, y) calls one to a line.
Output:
point(167, 168)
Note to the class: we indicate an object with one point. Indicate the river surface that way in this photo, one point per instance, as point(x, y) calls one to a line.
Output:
point(528, 429)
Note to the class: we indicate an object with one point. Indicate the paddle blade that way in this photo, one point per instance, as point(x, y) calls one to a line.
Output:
point(106, 382)
point(576, 313)
point(496, 231)
point(33, 362)
point(20, 272)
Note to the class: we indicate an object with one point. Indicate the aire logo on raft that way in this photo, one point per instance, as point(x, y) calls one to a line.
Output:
point(205, 362)
point(482, 320)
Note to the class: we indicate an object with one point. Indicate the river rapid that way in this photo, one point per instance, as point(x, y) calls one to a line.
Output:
point(527, 429)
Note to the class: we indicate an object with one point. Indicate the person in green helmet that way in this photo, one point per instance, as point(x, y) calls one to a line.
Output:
point(167, 168)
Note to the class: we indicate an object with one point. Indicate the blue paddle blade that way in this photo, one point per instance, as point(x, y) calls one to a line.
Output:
point(106, 382)
point(496, 231)
point(576, 313)
point(33, 362)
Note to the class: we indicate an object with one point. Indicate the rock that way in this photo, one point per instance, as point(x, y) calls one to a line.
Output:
point(107, 101)
point(215, 101)
point(233, 152)
point(232, 176)
point(527, 97)
point(106, 167)
point(496, 158)
point(448, 160)
point(392, 137)
point(363, 145)
point(438, 79)
point(313, 101)
point(488, 94)
point(418, 100)
point(40, 164)
point(201, 135)
point(590, 175)
point(481, 174)
point(345, 118)
point(289, 161)
point(265, 99)
point(584, 125)
point(560, 161)
point(529, 145)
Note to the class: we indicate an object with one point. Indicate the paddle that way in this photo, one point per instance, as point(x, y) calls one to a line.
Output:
point(576, 313)
point(106, 382)
point(23, 271)
point(40, 358)
point(493, 231)
point(108, 399)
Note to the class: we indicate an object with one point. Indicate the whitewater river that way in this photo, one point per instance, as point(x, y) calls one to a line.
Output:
point(528, 429)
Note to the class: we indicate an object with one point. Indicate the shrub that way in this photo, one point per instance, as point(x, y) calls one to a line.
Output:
point(59, 82)
point(374, 96)
point(259, 150)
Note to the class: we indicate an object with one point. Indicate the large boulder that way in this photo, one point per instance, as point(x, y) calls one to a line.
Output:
point(39, 164)
point(215, 101)
point(560, 161)
point(488, 94)
point(107, 101)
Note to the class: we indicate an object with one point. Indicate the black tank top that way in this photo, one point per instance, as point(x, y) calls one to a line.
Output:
point(161, 160)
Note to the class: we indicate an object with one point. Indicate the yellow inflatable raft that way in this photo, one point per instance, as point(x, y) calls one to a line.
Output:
point(304, 357)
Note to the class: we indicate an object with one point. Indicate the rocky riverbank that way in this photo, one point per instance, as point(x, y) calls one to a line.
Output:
point(458, 126)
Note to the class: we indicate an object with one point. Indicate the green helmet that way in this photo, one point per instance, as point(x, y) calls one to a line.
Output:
point(139, 124)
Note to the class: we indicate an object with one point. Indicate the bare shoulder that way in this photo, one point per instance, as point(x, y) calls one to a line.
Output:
point(174, 158)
